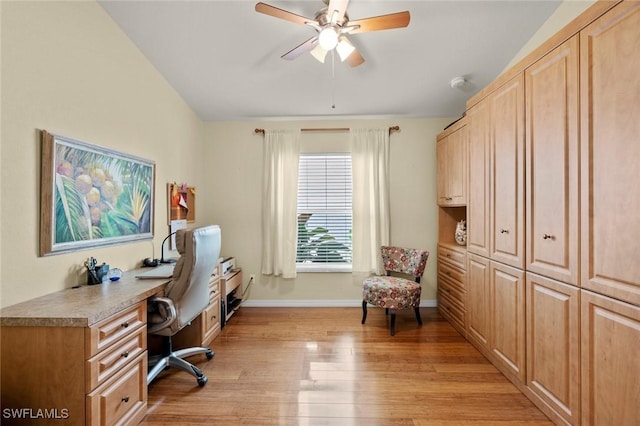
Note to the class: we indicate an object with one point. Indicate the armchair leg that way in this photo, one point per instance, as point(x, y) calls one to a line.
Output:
point(417, 309)
point(364, 311)
point(393, 322)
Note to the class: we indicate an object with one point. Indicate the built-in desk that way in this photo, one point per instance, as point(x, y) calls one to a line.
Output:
point(77, 356)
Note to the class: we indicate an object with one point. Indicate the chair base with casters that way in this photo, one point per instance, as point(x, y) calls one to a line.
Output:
point(392, 292)
point(175, 359)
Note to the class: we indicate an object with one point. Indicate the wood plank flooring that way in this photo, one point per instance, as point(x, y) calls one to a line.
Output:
point(320, 366)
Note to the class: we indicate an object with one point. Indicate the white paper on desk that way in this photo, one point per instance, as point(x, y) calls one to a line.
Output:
point(176, 225)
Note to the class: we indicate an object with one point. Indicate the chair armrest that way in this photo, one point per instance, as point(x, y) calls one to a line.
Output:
point(171, 317)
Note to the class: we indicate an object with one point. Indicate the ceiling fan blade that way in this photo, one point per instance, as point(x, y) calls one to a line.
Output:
point(336, 10)
point(354, 59)
point(384, 22)
point(301, 49)
point(282, 14)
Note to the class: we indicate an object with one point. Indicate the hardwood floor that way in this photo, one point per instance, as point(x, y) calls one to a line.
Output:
point(320, 366)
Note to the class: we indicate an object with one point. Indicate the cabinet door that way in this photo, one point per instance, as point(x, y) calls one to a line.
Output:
point(507, 333)
point(478, 212)
point(478, 300)
point(507, 174)
point(552, 163)
point(553, 352)
point(610, 148)
point(610, 365)
point(452, 167)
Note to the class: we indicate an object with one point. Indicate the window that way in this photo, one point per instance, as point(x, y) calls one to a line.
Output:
point(324, 213)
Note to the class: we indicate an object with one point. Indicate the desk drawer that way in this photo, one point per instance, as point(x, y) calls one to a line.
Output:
point(110, 330)
point(233, 282)
point(123, 398)
point(100, 367)
point(211, 321)
point(214, 290)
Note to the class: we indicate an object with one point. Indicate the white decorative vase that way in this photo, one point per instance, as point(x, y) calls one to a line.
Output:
point(461, 233)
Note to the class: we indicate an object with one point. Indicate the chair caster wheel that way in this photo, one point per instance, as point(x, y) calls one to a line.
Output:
point(210, 354)
point(202, 381)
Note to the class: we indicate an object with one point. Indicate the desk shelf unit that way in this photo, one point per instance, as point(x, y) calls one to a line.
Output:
point(231, 292)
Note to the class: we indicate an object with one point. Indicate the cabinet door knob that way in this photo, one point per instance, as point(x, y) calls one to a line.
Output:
point(125, 399)
point(547, 237)
point(504, 231)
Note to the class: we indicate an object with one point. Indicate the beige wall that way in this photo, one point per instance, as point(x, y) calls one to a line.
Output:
point(565, 13)
point(69, 69)
point(234, 177)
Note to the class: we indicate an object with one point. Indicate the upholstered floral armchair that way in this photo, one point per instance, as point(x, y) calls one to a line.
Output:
point(394, 292)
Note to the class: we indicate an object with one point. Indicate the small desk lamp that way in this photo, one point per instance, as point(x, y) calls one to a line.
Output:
point(162, 259)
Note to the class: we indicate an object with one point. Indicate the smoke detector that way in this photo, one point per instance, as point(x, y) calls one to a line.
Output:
point(457, 82)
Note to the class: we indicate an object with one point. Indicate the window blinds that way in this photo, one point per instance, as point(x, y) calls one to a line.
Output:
point(324, 209)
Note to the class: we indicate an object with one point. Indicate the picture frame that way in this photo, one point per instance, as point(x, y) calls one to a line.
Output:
point(92, 196)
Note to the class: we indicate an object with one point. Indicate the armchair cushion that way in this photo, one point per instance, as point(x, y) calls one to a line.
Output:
point(391, 292)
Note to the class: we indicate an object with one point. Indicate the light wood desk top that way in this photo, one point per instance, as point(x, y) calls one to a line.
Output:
point(83, 306)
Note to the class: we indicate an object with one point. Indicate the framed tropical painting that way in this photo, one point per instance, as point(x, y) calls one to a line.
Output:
point(92, 196)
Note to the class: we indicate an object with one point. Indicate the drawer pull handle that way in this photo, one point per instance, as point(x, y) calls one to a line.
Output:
point(448, 198)
point(124, 324)
point(504, 231)
point(548, 237)
point(124, 354)
point(125, 399)
point(448, 255)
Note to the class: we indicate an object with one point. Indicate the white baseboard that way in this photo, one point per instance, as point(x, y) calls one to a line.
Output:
point(286, 303)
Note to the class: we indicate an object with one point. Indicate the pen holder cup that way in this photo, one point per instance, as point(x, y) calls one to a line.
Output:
point(96, 276)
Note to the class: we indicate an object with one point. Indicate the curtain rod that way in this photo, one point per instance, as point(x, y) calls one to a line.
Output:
point(331, 129)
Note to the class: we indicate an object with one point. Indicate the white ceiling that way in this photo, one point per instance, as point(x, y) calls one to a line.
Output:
point(223, 58)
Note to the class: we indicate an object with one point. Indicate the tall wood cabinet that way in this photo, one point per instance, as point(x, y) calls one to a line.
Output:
point(507, 173)
point(496, 175)
point(552, 294)
point(552, 163)
point(451, 153)
point(610, 365)
point(478, 300)
point(507, 319)
point(610, 148)
point(478, 207)
point(553, 351)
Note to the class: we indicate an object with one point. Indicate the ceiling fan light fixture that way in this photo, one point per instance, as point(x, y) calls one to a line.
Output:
point(328, 38)
point(344, 48)
point(319, 53)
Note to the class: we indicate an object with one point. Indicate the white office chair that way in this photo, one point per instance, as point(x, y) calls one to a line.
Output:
point(185, 297)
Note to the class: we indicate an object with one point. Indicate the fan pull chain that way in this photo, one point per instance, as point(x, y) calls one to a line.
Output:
point(333, 79)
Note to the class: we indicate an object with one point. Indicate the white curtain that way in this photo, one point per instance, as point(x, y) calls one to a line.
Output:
point(370, 167)
point(279, 202)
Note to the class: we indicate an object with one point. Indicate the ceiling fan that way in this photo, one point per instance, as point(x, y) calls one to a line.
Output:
point(332, 25)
